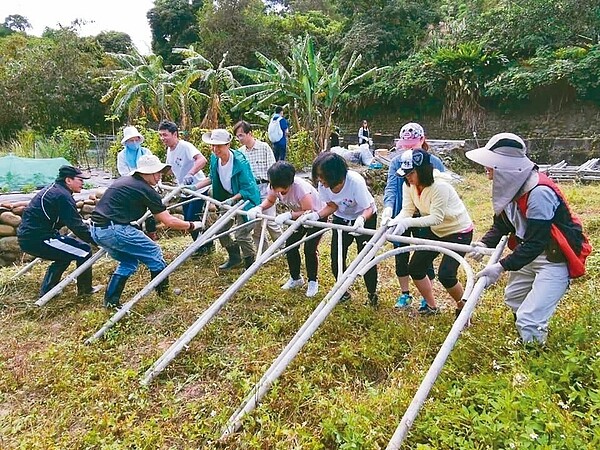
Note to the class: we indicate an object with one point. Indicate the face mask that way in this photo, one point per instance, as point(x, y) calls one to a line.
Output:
point(133, 146)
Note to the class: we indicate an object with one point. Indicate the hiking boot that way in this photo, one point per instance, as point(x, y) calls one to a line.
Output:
point(313, 288)
point(403, 301)
point(291, 284)
point(204, 250)
point(373, 299)
point(427, 310)
point(235, 259)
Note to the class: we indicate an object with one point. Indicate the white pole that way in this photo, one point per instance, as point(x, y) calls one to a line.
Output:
point(125, 308)
point(209, 313)
point(440, 359)
point(26, 268)
point(305, 332)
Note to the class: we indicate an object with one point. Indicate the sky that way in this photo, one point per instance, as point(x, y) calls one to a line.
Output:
point(128, 16)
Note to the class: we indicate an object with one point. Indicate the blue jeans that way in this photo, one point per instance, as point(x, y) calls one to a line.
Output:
point(129, 246)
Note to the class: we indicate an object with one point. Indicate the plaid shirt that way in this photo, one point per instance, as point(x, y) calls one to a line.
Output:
point(260, 157)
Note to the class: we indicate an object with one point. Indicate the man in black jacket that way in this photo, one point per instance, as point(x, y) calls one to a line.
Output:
point(51, 209)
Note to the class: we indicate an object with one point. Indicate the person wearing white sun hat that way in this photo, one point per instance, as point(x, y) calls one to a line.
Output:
point(127, 160)
point(547, 240)
point(125, 201)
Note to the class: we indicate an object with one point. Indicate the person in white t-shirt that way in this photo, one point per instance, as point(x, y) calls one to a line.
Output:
point(347, 197)
point(186, 163)
point(300, 197)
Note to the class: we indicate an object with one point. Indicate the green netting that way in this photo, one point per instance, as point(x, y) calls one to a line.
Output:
point(16, 172)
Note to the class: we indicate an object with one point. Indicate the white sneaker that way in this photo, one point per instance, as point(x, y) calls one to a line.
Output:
point(291, 283)
point(313, 288)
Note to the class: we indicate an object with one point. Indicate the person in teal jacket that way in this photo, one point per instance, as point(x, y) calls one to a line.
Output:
point(232, 180)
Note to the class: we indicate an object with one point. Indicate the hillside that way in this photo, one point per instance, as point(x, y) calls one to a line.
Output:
point(347, 389)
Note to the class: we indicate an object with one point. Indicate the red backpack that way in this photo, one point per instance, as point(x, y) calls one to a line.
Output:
point(569, 236)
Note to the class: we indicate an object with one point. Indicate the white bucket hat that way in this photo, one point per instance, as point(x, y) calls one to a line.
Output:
point(217, 137)
point(148, 164)
point(504, 152)
point(129, 132)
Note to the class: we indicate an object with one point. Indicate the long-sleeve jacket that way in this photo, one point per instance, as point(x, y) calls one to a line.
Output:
point(242, 180)
point(51, 209)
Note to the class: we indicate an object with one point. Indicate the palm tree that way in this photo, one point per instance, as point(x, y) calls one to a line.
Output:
point(311, 88)
point(140, 87)
point(213, 84)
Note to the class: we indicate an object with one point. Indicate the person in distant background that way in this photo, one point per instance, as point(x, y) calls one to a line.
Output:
point(280, 146)
point(364, 133)
point(334, 138)
point(38, 234)
point(127, 161)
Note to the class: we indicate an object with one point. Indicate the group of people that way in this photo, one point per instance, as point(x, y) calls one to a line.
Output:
point(418, 201)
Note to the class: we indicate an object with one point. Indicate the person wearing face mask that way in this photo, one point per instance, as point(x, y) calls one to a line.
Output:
point(127, 161)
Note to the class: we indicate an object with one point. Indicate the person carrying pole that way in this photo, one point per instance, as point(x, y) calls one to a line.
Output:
point(126, 201)
point(547, 240)
point(301, 197)
point(232, 180)
point(347, 197)
point(444, 217)
point(38, 234)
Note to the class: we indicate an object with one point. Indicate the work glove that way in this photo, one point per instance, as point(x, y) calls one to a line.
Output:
point(476, 253)
point(283, 217)
point(358, 223)
point(492, 273)
point(188, 179)
point(191, 187)
point(253, 212)
point(197, 225)
point(311, 216)
point(386, 215)
point(230, 201)
point(400, 225)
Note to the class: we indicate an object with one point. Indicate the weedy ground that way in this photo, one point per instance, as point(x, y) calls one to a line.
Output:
point(347, 389)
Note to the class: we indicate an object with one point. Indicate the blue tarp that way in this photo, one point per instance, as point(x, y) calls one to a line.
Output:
point(16, 172)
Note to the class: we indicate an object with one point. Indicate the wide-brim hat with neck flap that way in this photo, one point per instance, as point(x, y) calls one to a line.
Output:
point(503, 152)
point(148, 164)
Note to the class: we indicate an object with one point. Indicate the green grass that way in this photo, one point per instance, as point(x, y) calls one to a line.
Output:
point(347, 389)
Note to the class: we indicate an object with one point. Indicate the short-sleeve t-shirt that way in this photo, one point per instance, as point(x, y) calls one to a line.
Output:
point(298, 190)
point(353, 198)
point(127, 199)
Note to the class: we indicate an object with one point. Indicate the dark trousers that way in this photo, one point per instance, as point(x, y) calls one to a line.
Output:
point(311, 253)
point(279, 150)
point(61, 249)
point(420, 261)
point(192, 211)
point(347, 239)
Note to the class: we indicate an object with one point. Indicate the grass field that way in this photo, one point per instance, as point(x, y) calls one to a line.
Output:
point(347, 389)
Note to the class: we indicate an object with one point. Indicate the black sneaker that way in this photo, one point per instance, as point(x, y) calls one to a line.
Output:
point(426, 310)
point(203, 251)
point(373, 300)
point(457, 313)
point(345, 297)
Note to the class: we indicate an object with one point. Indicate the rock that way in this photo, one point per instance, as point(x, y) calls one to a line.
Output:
point(89, 202)
point(18, 210)
point(10, 244)
point(88, 209)
point(79, 204)
point(10, 219)
point(100, 192)
point(7, 230)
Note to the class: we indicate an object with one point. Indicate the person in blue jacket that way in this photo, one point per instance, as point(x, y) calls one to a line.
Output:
point(412, 136)
point(232, 180)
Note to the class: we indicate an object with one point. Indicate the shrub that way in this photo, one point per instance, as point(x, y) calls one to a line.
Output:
point(301, 150)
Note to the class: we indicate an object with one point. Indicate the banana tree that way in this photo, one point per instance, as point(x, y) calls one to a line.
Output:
point(212, 84)
point(140, 87)
point(311, 88)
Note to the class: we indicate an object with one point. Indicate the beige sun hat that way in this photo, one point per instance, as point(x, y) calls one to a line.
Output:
point(218, 136)
point(504, 152)
point(148, 164)
point(129, 132)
